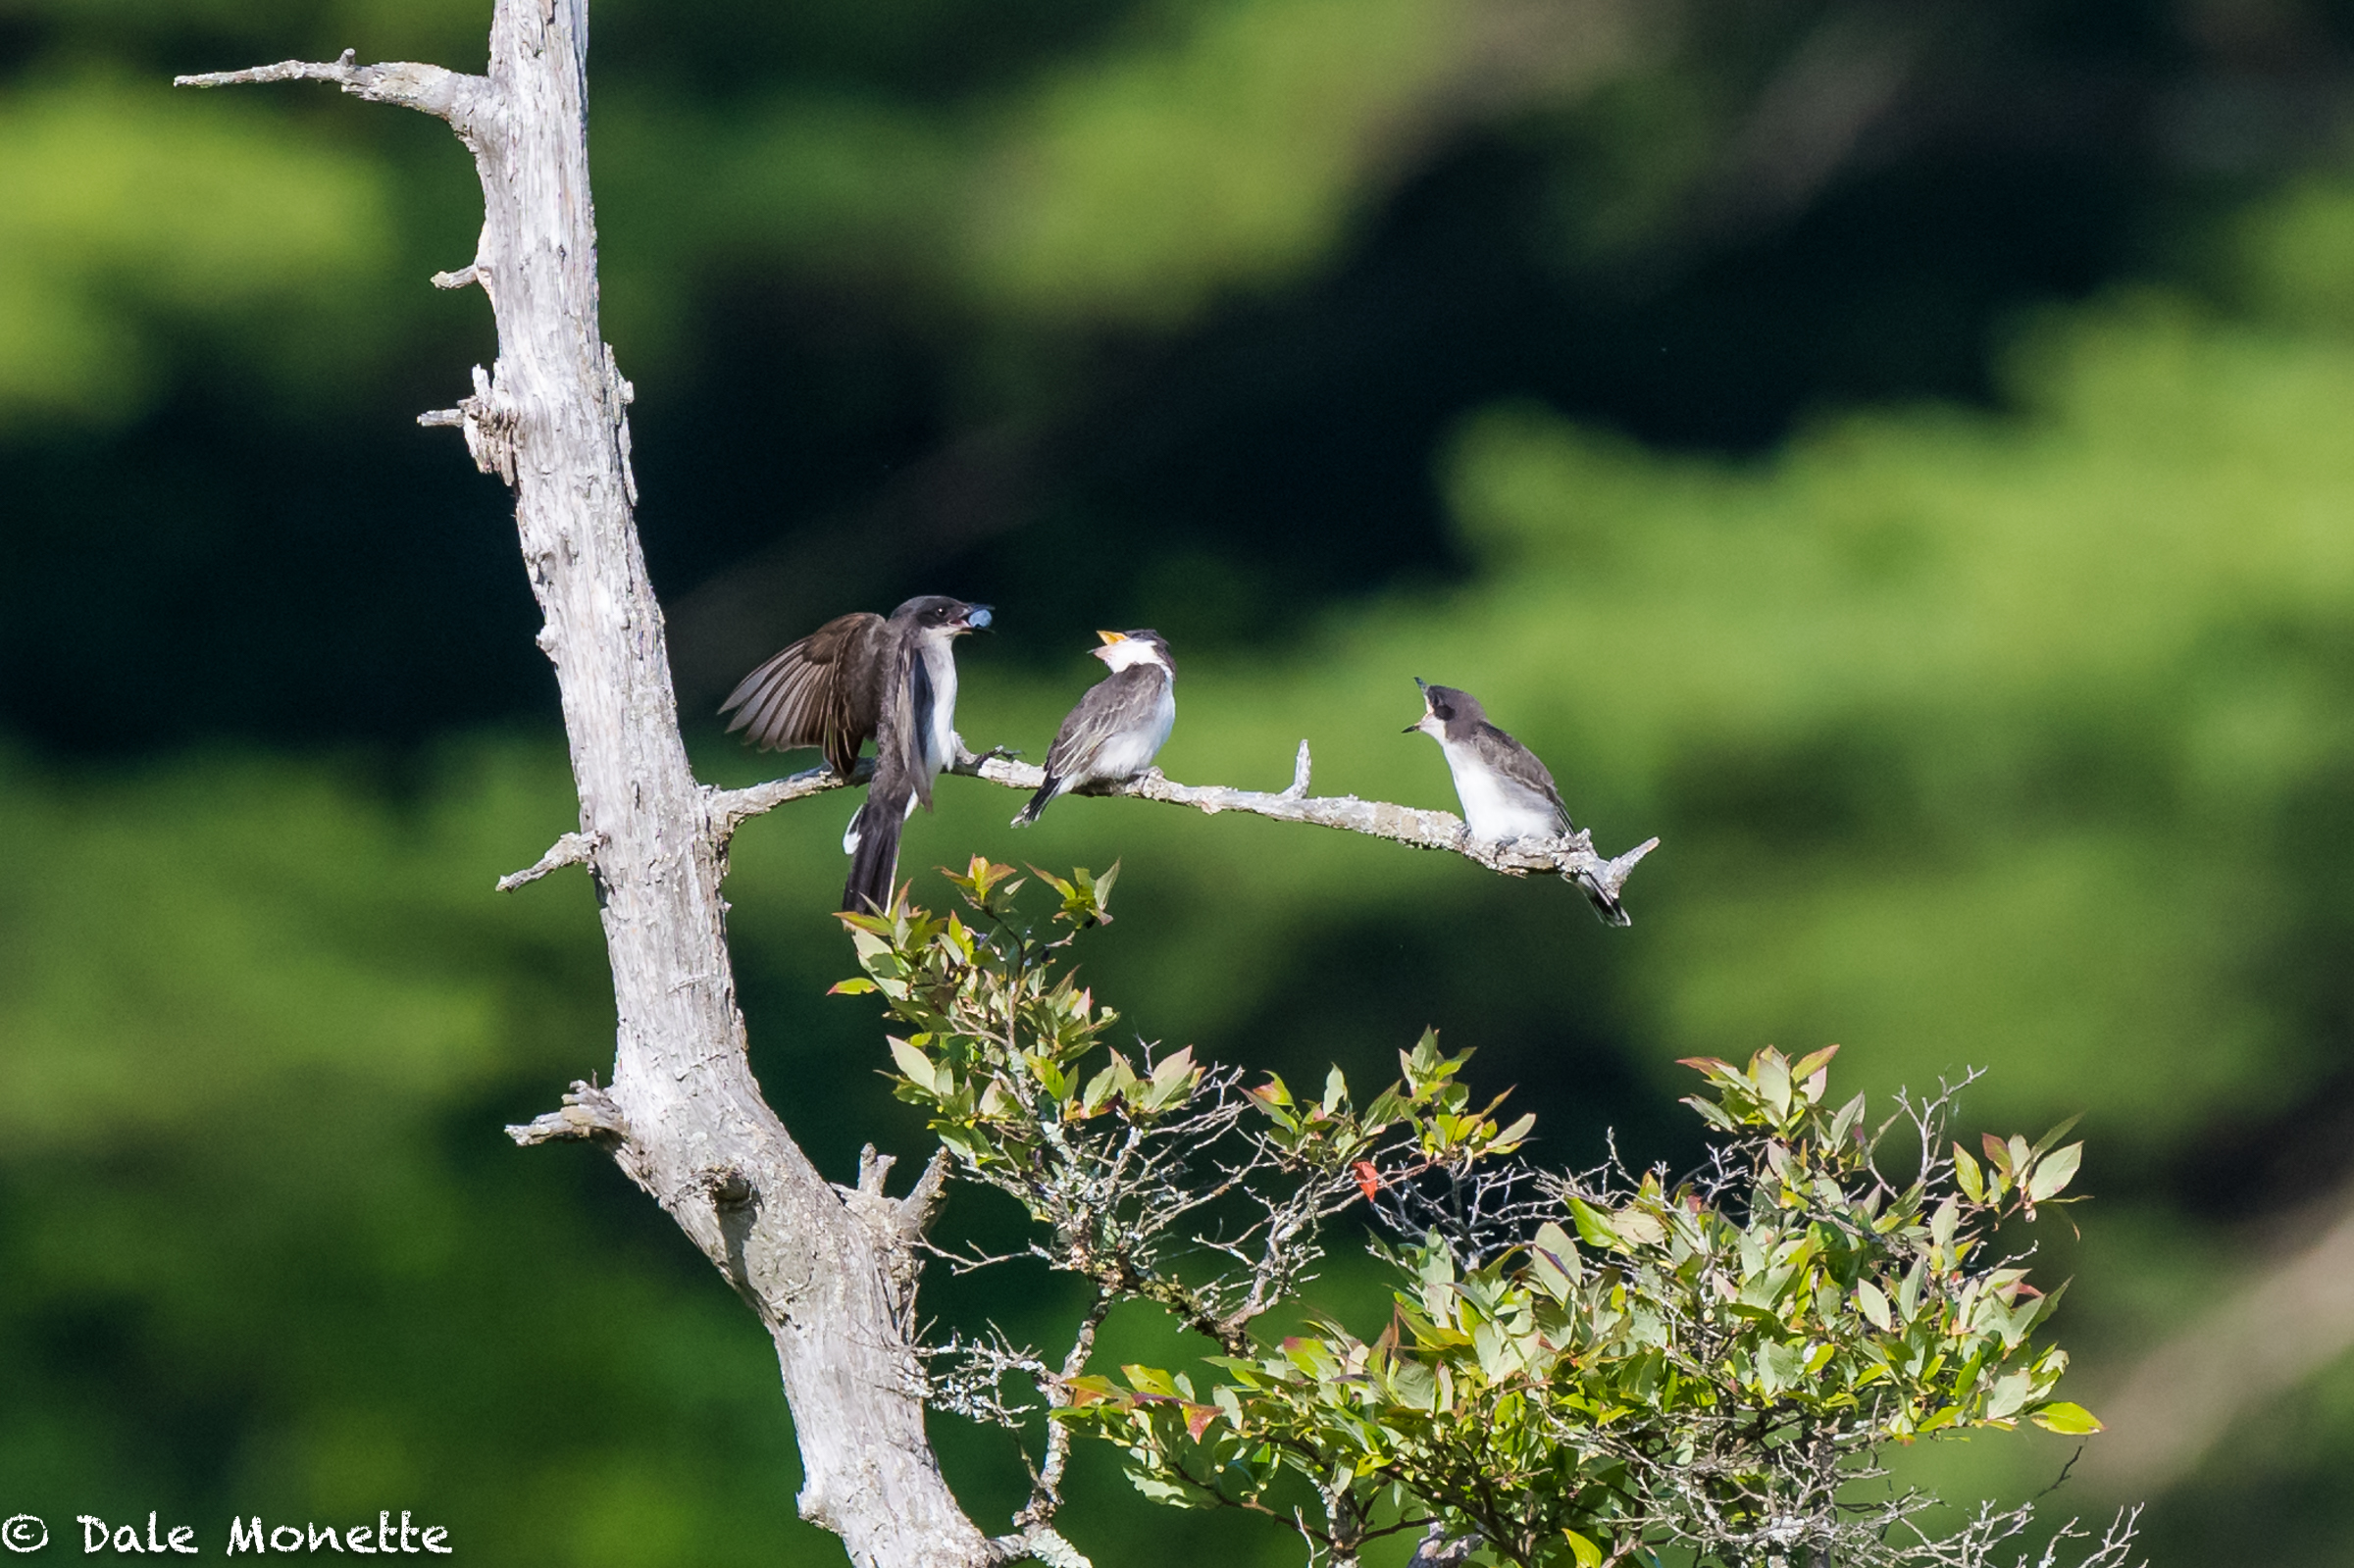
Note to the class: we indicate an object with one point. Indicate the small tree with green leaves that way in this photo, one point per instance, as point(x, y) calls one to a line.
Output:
point(1593, 1367)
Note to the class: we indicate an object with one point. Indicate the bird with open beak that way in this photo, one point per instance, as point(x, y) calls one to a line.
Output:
point(864, 677)
point(1120, 726)
point(1506, 791)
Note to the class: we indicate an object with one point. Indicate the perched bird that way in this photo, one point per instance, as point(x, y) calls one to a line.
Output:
point(1119, 725)
point(864, 677)
point(1506, 791)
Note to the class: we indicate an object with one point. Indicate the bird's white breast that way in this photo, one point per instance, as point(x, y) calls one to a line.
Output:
point(939, 738)
point(1493, 806)
point(1131, 752)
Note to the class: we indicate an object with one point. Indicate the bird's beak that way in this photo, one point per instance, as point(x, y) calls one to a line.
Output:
point(1109, 637)
point(1416, 726)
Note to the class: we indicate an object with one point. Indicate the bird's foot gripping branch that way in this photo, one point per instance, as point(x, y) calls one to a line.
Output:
point(1578, 1368)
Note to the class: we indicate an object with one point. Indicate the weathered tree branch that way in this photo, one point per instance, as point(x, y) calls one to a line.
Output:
point(450, 95)
point(1574, 857)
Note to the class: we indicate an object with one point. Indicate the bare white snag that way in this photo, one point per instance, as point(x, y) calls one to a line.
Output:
point(682, 1115)
point(830, 1271)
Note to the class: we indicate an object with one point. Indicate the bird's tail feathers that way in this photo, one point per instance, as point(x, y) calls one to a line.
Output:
point(1039, 802)
point(1606, 903)
point(874, 860)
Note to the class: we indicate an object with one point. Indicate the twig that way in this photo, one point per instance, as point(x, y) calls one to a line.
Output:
point(1045, 1495)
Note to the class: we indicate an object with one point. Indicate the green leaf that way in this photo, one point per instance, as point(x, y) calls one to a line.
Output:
point(1174, 1066)
point(1168, 1491)
point(2054, 1172)
point(1640, 1227)
point(2010, 1393)
point(915, 1066)
point(1873, 1302)
point(1967, 1173)
point(1588, 1555)
point(1091, 1390)
point(1769, 1069)
point(1942, 1223)
point(1554, 1259)
point(2056, 1134)
point(2066, 1418)
point(1813, 1072)
point(1713, 1114)
point(1149, 1379)
point(1845, 1122)
point(1908, 1289)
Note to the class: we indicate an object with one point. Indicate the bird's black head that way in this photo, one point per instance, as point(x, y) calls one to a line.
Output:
point(934, 611)
point(1444, 708)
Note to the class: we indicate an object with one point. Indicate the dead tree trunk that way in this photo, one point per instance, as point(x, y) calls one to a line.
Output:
point(683, 1117)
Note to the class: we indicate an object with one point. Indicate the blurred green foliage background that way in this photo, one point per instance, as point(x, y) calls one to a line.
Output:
point(1897, 453)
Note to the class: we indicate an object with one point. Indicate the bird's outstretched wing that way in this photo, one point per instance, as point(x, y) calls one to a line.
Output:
point(822, 691)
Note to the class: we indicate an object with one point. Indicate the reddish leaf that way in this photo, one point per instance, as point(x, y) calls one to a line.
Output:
point(1198, 1418)
point(1369, 1180)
